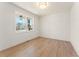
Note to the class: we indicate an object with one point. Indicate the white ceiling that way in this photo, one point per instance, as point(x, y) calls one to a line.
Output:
point(53, 7)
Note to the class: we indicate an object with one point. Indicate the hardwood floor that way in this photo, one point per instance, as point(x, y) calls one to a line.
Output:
point(41, 47)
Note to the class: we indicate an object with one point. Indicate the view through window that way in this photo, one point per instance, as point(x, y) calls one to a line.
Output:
point(24, 23)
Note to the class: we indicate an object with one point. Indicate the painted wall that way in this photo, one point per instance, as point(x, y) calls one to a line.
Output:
point(75, 26)
point(56, 26)
point(8, 35)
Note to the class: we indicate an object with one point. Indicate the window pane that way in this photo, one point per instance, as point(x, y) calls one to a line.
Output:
point(29, 23)
point(20, 23)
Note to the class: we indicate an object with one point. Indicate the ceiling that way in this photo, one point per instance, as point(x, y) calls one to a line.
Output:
point(53, 7)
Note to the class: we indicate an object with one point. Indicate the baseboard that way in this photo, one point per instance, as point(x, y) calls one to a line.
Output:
point(74, 49)
point(53, 38)
point(30, 40)
point(19, 44)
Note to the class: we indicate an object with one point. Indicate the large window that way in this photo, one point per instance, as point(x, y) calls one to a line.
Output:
point(23, 23)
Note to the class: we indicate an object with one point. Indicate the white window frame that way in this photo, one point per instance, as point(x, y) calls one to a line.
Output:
point(25, 16)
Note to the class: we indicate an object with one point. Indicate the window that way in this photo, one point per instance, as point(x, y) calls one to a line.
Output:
point(20, 23)
point(23, 23)
point(29, 20)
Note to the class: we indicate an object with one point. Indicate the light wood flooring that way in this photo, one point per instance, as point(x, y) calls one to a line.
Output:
point(41, 47)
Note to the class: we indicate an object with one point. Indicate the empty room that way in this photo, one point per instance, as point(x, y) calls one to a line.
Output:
point(39, 29)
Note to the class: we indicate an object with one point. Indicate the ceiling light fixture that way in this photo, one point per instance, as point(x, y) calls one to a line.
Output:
point(42, 5)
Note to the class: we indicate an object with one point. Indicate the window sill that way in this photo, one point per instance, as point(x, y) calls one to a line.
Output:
point(19, 31)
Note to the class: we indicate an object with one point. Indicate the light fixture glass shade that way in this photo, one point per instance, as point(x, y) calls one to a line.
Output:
point(42, 5)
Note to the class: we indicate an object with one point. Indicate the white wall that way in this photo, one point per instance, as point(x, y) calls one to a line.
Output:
point(75, 26)
point(1, 24)
point(56, 26)
point(8, 35)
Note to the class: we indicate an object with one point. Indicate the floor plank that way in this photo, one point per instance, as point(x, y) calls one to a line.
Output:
point(41, 47)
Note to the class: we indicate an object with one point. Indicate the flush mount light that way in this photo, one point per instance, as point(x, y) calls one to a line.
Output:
point(42, 5)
